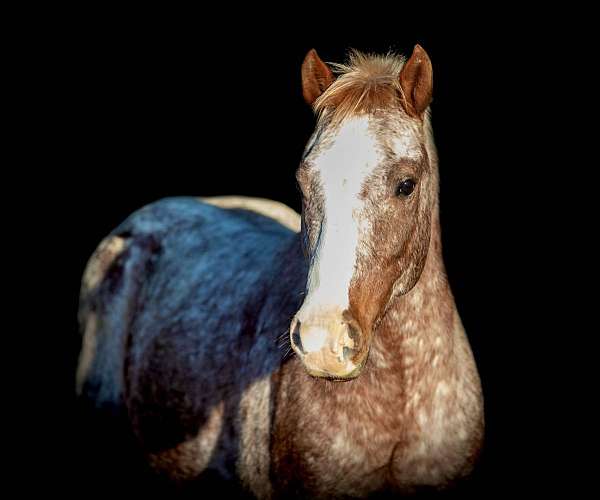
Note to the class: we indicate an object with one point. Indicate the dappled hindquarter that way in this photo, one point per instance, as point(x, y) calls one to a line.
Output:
point(201, 332)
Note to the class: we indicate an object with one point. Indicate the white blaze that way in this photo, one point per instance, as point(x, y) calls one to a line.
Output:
point(342, 169)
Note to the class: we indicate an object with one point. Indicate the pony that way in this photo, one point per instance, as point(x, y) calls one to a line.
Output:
point(319, 355)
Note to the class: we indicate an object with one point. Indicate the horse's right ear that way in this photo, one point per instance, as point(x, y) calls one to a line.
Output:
point(316, 77)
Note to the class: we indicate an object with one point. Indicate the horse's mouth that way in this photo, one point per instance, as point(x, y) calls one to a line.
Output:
point(340, 373)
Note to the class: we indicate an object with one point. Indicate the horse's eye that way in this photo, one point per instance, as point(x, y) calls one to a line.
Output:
point(405, 187)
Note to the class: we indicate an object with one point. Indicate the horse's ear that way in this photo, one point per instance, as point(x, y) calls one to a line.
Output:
point(316, 77)
point(416, 80)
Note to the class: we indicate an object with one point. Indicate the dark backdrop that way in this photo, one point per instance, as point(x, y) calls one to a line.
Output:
point(157, 108)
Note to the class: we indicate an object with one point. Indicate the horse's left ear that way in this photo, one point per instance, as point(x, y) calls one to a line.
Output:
point(416, 80)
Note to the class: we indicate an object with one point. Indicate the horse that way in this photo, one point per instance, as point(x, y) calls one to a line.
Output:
point(317, 355)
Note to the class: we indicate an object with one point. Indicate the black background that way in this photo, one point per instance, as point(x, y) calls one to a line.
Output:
point(151, 106)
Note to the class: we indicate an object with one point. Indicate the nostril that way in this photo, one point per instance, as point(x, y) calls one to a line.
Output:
point(348, 353)
point(354, 335)
point(296, 337)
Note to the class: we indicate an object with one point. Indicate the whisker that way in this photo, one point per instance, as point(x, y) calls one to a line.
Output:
point(283, 337)
point(283, 341)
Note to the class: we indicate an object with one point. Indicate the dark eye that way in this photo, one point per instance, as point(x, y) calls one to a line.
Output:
point(405, 187)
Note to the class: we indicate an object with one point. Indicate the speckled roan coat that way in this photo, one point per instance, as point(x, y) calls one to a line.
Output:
point(184, 309)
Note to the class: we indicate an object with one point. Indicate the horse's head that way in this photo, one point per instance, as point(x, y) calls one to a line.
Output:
point(368, 189)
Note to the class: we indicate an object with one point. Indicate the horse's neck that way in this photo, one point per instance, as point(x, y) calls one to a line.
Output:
point(417, 337)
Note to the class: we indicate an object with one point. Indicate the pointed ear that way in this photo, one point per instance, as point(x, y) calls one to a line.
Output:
point(316, 77)
point(416, 80)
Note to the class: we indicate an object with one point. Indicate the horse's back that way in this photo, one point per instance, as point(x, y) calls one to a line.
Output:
point(173, 294)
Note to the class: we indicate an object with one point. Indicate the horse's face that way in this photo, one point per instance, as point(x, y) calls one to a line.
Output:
point(367, 197)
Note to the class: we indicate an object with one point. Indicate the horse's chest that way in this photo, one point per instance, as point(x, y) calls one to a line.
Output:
point(373, 446)
point(338, 447)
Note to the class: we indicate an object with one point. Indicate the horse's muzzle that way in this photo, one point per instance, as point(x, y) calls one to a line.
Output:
point(330, 345)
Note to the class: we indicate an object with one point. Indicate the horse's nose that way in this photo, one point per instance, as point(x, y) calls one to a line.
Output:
point(329, 345)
